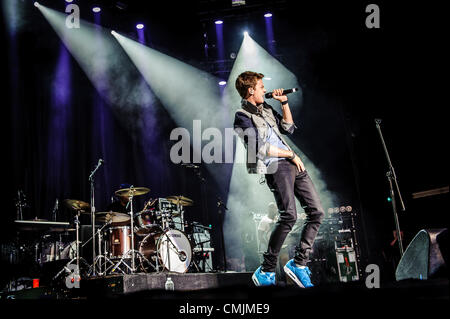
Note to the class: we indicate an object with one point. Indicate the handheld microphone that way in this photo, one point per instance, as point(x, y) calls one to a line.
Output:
point(270, 94)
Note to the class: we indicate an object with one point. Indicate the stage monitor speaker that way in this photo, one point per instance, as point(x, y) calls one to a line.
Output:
point(425, 257)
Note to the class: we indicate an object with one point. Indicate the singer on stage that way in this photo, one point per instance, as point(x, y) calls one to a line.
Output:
point(260, 127)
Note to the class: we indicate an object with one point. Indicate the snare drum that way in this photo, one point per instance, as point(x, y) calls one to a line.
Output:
point(119, 241)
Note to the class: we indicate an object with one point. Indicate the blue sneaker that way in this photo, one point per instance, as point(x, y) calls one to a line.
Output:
point(299, 275)
point(263, 279)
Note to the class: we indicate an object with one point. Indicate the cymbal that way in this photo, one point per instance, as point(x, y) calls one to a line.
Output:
point(40, 225)
point(114, 217)
point(78, 205)
point(136, 191)
point(61, 230)
point(182, 200)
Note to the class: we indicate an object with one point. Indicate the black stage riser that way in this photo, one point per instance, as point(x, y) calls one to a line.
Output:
point(124, 284)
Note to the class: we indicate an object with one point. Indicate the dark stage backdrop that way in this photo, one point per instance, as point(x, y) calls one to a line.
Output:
point(350, 75)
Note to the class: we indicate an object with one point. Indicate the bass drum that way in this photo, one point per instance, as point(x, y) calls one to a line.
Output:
point(172, 247)
point(147, 221)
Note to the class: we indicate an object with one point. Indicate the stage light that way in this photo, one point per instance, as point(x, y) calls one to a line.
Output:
point(113, 32)
point(222, 83)
point(218, 22)
point(245, 33)
point(267, 78)
point(96, 9)
point(268, 15)
point(139, 26)
point(69, 1)
point(36, 4)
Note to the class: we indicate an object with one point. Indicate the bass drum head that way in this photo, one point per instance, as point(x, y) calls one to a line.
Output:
point(180, 251)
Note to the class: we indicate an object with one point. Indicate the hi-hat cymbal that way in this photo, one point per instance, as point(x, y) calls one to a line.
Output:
point(135, 191)
point(114, 217)
point(181, 200)
point(78, 205)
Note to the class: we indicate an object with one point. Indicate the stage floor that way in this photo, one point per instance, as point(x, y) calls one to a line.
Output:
point(125, 284)
point(223, 293)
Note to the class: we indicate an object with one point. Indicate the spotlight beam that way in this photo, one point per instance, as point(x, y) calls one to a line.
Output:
point(188, 94)
point(103, 61)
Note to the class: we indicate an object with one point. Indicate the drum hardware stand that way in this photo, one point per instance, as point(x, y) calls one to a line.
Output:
point(77, 256)
point(21, 203)
point(132, 251)
point(37, 258)
point(132, 269)
point(99, 257)
point(55, 210)
point(392, 178)
point(180, 210)
point(91, 179)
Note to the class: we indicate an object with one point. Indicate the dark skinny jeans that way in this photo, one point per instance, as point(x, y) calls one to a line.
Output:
point(287, 183)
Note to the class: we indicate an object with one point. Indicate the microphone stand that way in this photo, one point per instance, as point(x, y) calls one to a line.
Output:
point(221, 204)
point(91, 179)
point(392, 179)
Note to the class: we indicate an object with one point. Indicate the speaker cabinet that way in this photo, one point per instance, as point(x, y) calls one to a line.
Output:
point(425, 257)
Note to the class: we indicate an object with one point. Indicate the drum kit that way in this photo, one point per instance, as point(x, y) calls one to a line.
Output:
point(153, 239)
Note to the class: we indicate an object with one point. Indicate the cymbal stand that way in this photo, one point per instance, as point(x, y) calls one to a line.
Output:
point(132, 270)
point(132, 251)
point(99, 257)
point(91, 179)
point(166, 228)
point(77, 253)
